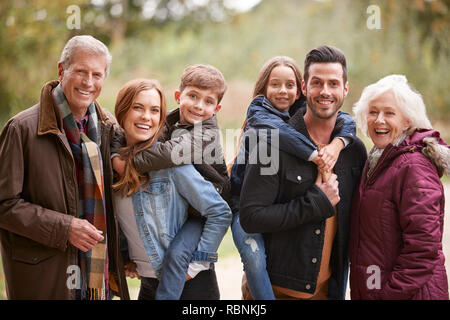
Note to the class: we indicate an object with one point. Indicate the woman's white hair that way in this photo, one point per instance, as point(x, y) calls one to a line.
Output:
point(408, 101)
point(87, 43)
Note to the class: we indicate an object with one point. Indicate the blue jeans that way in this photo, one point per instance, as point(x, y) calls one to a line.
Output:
point(173, 284)
point(253, 257)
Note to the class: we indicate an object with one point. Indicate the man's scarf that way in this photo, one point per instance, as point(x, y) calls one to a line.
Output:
point(86, 152)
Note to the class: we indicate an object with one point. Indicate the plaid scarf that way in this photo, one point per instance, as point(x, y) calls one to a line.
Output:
point(86, 152)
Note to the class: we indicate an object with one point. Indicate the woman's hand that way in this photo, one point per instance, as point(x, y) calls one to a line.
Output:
point(130, 270)
point(119, 165)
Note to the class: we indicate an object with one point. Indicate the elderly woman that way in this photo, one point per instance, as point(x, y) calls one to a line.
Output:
point(398, 211)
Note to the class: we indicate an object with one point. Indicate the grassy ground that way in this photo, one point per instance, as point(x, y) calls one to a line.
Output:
point(2, 282)
point(227, 247)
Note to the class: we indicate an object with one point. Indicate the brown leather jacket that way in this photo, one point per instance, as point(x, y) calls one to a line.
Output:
point(39, 198)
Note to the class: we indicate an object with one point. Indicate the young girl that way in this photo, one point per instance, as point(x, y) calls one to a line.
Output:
point(153, 207)
point(277, 95)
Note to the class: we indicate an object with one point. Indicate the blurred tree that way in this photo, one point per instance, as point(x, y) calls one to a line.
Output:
point(118, 19)
point(420, 32)
point(160, 37)
point(430, 18)
point(31, 38)
point(33, 32)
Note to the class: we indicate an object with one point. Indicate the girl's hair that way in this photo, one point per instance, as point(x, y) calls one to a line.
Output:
point(132, 180)
point(261, 86)
point(409, 102)
point(264, 73)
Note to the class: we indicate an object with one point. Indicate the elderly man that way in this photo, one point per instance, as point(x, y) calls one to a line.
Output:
point(59, 237)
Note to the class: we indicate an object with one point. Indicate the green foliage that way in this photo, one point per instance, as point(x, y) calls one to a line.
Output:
point(2, 282)
point(227, 247)
point(31, 41)
point(413, 40)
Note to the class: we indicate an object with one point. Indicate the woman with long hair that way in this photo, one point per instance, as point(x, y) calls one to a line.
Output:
point(153, 207)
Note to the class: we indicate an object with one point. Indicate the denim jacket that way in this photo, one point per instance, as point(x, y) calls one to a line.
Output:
point(161, 210)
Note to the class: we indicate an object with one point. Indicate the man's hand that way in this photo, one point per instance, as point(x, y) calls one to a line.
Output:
point(130, 270)
point(84, 235)
point(330, 188)
point(119, 165)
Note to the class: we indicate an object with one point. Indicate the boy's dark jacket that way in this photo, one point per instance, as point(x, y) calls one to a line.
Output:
point(159, 155)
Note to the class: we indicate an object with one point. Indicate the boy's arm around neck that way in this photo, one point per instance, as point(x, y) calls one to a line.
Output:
point(185, 147)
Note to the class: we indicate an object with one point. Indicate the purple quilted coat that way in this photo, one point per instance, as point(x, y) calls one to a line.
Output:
point(397, 222)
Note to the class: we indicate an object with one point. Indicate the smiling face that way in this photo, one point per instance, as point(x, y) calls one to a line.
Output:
point(142, 119)
point(281, 89)
point(325, 90)
point(196, 104)
point(82, 81)
point(385, 121)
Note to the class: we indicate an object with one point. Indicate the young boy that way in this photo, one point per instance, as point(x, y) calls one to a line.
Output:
point(191, 136)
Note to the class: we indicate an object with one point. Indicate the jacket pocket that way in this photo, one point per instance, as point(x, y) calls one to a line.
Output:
point(28, 251)
point(158, 186)
point(155, 204)
point(302, 181)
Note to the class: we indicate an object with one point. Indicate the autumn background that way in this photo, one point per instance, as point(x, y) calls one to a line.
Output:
point(159, 38)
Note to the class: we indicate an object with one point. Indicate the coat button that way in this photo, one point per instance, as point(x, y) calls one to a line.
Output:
point(317, 231)
point(299, 178)
point(314, 260)
point(308, 287)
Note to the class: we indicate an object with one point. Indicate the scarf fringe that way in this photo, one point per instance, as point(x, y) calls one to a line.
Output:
point(95, 294)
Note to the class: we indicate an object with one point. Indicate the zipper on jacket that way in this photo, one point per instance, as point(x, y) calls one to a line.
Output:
point(380, 161)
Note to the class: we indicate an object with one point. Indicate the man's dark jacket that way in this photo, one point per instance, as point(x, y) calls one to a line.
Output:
point(290, 210)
